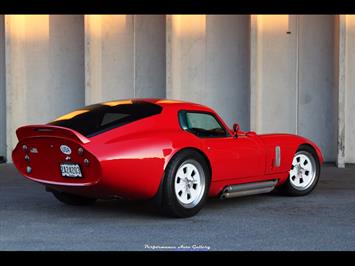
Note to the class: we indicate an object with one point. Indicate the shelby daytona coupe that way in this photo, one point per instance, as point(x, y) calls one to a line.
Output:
point(173, 152)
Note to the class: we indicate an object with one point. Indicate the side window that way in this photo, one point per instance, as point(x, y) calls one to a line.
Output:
point(202, 124)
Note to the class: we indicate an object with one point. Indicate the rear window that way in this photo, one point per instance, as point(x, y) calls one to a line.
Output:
point(98, 118)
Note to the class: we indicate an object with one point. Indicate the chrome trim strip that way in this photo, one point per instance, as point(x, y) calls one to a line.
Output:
point(277, 156)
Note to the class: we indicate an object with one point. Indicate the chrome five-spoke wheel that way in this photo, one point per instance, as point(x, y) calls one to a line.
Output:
point(186, 184)
point(303, 170)
point(189, 184)
point(303, 174)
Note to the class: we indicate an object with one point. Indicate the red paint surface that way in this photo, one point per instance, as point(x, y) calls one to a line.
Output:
point(129, 161)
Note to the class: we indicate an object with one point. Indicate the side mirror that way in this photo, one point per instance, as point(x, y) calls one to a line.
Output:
point(236, 128)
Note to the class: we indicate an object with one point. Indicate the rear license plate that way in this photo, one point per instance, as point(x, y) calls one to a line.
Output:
point(70, 170)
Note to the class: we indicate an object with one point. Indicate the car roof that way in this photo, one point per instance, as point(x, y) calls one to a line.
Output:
point(175, 104)
point(165, 103)
point(170, 105)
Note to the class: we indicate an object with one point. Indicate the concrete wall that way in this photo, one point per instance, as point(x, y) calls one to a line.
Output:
point(350, 89)
point(66, 57)
point(276, 73)
point(227, 68)
point(274, 76)
point(2, 90)
point(44, 69)
point(124, 57)
point(317, 100)
point(150, 67)
point(186, 61)
point(294, 84)
point(207, 62)
point(109, 53)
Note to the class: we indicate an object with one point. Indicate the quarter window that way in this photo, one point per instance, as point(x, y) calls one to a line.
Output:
point(201, 124)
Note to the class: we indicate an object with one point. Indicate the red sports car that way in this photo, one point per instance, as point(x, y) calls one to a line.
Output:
point(174, 152)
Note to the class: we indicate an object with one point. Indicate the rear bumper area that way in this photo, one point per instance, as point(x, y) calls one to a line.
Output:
point(40, 159)
point(121, 178)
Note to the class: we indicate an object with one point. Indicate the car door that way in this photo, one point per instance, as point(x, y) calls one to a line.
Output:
point(231, 157)
point(236, 158)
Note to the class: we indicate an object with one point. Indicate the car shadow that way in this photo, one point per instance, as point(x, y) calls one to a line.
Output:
point(127, 209)
point(146, 209)
point(123, 209)
point(238, 201)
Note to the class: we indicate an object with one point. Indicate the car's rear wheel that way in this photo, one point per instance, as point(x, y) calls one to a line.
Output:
point(71, 199)
point(186, 184)
point(304, 173)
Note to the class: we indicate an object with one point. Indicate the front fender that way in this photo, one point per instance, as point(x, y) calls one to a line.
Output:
point(288, 145)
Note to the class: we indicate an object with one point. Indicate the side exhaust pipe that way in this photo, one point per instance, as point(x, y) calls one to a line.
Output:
point(248, 189)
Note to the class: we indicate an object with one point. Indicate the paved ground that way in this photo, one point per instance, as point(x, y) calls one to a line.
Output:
point(31, 219)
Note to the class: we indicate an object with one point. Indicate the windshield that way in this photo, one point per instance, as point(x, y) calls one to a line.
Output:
point(98, 118)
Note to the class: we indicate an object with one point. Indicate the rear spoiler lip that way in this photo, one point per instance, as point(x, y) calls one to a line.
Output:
point(35, 131)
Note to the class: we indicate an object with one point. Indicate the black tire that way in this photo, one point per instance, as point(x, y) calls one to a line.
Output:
point(71, 199)
point(289, 189)
point(170, 205)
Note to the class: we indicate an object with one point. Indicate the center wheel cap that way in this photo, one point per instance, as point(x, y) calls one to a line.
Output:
point(189, 184)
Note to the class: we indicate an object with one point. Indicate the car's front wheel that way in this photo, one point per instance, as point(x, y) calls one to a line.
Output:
point(304, 173)
point(186, 184)
point(71, 199)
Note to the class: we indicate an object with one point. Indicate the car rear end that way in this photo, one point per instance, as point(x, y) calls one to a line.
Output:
point(84, 152)
point(55, 156)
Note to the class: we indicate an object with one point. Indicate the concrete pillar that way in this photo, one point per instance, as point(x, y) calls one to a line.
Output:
point(346, 79)
point(186, 61)
point(340, 82)
point(149, 56)
point(227, 68)
point(108, 57)
point(350, 89)
point(124, 57)
point(208, 63)
point(273, 74)
point(2, 90)
point(254, 82)
point(292, 77)
point(317, 91)
point(44, 69)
